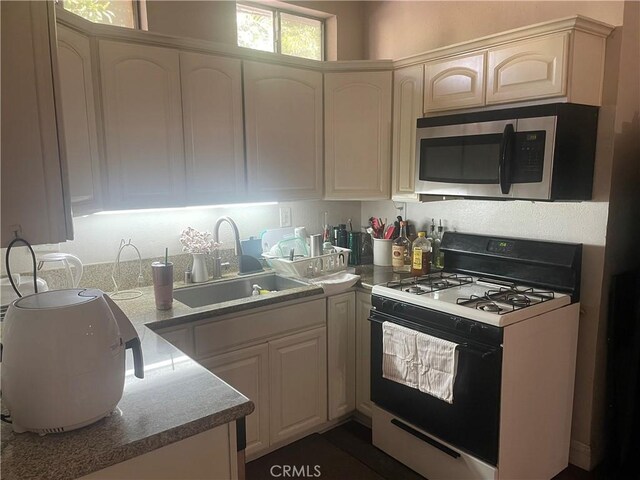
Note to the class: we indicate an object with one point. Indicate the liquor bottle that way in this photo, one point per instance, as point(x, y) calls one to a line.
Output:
point(431, 235)
point(437, 254)
point(421, 256)
point(401, 251)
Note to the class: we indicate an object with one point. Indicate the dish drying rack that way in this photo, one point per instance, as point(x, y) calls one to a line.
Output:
point(309, 267)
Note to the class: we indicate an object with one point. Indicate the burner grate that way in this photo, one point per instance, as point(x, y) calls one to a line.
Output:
point(430, 283)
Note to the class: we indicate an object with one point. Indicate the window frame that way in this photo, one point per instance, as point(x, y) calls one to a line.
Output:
point(277, 28)
point(137, 14)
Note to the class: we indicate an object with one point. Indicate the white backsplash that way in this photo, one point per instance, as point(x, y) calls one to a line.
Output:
point(97, 237)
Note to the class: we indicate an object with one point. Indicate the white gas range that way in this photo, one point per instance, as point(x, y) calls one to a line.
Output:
point(476, 298)
point(510, 307)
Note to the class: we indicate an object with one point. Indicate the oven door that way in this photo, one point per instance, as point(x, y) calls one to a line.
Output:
point(472, 421)
point(498, 159)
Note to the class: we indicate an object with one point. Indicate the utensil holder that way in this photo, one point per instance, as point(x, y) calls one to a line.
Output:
point(382, 252)
point(163, 284)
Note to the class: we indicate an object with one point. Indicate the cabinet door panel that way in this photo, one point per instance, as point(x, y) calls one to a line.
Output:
point(79, 119)
point(454, 83)
point(283, 119)
point(528, 69)
point(34, 177)
point(363, 354)
point(143, 124)
point(213, 129)
point(357, 135)
point(246, 370)
point(298, 368)
point(341, 354)
point(407, 108)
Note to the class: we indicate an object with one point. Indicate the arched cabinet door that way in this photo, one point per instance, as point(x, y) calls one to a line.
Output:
point(213, 128)
point(357, 120)
point(283, 126)
point(143, 125)
point(80, 121)
point(454, 83)
point(528, 69)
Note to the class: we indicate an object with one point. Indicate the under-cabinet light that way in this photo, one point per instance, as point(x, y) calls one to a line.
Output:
point(174, 209)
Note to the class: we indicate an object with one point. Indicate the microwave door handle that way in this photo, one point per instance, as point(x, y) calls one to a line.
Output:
point(506, 154)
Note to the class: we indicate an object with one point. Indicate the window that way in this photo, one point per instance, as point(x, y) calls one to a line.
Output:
point(273, 30)
point(122, 13)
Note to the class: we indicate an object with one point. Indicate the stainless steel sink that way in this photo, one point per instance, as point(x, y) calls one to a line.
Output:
point(234, 289)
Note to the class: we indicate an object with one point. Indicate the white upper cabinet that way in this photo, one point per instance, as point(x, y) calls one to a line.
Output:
point(529, 69)
point(213, 128)
point(407, 108)
point(143, 125)
point(454, 83)
point(357, 135)
point(35, 200)
point(79, 117)
point(283, 122)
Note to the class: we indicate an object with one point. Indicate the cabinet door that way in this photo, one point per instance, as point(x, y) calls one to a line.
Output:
point(407, 108)
point(298, 371)
point(528, 69)
point(283, 120)
point(247, 370)
point(357, 135)
point(454, 83)
point(363, 353)
point(181, 338)
point(143, 125)
point(213, 129)
point(35, 198)
point(341, 354)
point(79, 117)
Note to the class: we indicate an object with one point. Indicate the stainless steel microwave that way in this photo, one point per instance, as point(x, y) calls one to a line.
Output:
point(540, 152)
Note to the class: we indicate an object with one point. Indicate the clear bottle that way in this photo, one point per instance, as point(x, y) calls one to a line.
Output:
point(432, 231)
point(401, 251)
point(438, 254)
point(421, 256)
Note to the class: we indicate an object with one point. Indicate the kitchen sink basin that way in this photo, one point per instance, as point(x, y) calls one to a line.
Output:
point(234, 289)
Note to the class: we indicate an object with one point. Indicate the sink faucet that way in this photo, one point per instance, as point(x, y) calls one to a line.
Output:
point(217, 261)
point(246, 264)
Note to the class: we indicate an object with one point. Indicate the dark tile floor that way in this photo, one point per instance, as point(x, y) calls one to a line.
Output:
point(346, 453)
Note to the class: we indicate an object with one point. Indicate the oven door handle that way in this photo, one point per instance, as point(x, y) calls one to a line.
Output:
point(465, 346)
point(506, 154)
point(482, 353)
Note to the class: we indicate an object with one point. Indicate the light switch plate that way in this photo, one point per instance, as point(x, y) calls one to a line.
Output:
point(285, 216)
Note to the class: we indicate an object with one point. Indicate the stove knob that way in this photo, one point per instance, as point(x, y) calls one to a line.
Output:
point(458, 324)
point(398, 308)
point(473, 328)
point(384, 305)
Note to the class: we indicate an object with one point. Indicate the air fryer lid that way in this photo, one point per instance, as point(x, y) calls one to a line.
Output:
point(58, 298)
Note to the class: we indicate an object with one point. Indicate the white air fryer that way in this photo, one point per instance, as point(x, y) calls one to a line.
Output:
point(63, 359)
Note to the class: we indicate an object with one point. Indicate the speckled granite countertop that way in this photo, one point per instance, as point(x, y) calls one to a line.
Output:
point(177, 398)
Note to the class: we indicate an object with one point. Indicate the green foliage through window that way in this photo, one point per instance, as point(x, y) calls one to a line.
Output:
point(298, 35)
point(110, 12)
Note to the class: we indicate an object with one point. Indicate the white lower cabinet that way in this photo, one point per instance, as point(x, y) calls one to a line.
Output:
point(298, 371)
point(210, 455)
point(363, 354)
point(341, 354)
point(247, 370)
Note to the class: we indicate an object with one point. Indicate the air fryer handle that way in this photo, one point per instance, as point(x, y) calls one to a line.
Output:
point(506, 149)
point(136, 348)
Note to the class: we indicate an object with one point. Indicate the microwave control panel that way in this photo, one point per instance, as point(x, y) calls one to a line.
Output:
point(528, 157)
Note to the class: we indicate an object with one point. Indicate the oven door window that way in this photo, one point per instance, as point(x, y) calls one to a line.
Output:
point(470, 159)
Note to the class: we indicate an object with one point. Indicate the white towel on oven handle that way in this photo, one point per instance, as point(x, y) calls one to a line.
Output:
point(399, 354)
point(437, 366)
